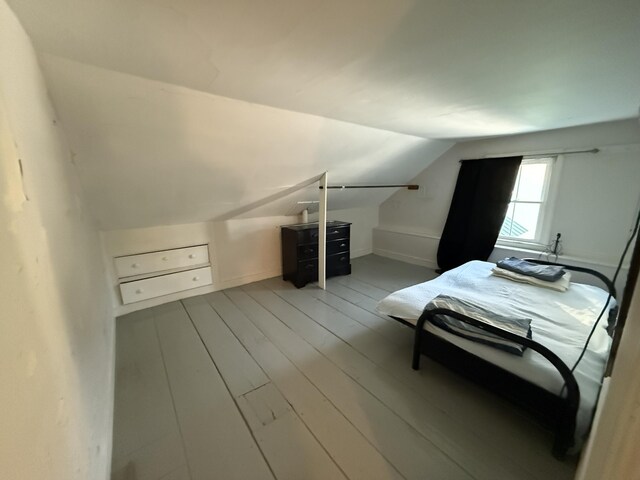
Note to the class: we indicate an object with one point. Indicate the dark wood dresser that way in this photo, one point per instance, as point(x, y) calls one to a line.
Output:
point(300, 251)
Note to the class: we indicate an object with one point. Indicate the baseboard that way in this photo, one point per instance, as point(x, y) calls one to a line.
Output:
point(361, 252)
point(245, 279)
point(424, 262)
point(407, 232)
point(417, 248)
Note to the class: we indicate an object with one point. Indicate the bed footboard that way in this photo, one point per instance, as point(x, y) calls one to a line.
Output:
point(565, 429)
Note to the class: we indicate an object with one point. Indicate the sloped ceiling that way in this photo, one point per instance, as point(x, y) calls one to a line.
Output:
point(150, 153)
point(188, 110)
point(433, 68)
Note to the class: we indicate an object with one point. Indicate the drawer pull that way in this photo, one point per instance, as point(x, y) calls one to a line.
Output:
point(342, 259)
point(336, 231)
point(309, 267)
point(196, 278)
point(343, 245)
point(135, 265)
point(139, 291)
point(308, 250)
point(192, 255)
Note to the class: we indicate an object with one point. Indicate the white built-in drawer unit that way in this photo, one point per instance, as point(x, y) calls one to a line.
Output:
point(154, 274)
point(164, 260)
point(164, 284)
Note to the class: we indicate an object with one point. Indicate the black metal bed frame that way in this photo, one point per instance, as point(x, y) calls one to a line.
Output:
point(554, 411)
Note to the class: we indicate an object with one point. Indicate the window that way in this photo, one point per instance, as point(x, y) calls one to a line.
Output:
point(527, 212)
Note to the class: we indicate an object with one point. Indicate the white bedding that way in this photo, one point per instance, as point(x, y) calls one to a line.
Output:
point(561, 321)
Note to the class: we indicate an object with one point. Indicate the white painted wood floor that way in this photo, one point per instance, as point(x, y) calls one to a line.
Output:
point(267, 381)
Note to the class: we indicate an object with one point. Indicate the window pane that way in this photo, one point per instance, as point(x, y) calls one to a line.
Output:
point(531, 186)
point(505, 230)
point(514, 193)
point(525, 220)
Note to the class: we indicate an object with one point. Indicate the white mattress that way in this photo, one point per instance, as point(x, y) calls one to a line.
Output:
point(561, 321)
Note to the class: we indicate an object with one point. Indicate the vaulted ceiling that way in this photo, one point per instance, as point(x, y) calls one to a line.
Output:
point(358, 87)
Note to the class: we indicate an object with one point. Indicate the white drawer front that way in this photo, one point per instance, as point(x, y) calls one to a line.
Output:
point(164, 284)
point(159, 261)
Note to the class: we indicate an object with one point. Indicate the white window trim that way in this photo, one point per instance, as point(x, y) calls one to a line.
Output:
point(543, 228)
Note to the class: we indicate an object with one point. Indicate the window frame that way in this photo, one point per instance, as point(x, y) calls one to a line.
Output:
point(543, 225)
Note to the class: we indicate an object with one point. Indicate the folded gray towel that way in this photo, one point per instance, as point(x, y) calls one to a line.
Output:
point(518, 326)
point(548, 273)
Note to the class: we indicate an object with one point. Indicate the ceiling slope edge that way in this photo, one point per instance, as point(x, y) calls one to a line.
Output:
point(150, 153)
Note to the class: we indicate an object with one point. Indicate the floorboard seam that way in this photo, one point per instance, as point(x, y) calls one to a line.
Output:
point(235, 402)
point(463, 468)
point(318, 389)
point(294, 332)
point(173, 401)
point(348, 288)
point(354, 379)
point(345, 283)
point(361, 280)
point(300, 417)
point(388, 322)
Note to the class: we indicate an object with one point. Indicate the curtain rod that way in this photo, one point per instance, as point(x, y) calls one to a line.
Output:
point(534, 155)
point(345, 187)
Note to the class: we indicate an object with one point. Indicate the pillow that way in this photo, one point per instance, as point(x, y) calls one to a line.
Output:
point(561, 285)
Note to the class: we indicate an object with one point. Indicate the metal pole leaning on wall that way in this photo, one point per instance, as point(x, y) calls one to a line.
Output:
point(322, 233)
point(322, 221)
point(347, 187)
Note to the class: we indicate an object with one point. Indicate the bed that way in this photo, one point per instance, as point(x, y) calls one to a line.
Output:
point(541, 380)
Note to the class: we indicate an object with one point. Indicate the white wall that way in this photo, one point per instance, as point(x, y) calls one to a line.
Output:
point(241, 251)
point(151, 153)
point(56, 325)
point(598, 194)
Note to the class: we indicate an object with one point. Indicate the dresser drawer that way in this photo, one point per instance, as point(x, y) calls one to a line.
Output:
point(308, 268)
point(337, 232)
point(310, 251)
point(307, 251)
point(338, 264)
point(338, 246)
point(159, 261)
point(337, 260)
point(308, 236)
point(164, 284)
point(333, 233)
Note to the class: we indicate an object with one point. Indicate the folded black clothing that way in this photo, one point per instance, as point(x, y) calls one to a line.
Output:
point(517, 326)
point(548, 273)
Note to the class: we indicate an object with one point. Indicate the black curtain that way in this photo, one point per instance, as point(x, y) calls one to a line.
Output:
point(478, 208)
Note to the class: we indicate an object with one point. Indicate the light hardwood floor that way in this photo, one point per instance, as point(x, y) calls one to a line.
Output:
point(267, 381)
